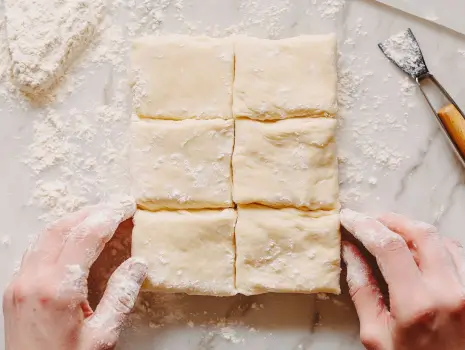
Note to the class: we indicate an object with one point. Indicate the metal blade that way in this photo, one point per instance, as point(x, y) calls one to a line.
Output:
point(403, 50)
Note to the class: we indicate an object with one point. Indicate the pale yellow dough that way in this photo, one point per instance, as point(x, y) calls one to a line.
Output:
point(287, 163)
point(182, 164)
point(182, 77)
point(287, 251)
point(187, 251)
point(276, 79)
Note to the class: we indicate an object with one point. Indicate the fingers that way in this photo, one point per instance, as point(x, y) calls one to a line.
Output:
point(87, 240)
point(457, 252)
point(367, 298)
point(391, 252)
point(434, 259)
point(49, 244)
point(424, 239)
point(118, 301)
point(363, 288)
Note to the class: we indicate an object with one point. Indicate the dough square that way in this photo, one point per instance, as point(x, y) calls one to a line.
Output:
point(187, 251)
point(182, 77)
point(277, 79)
point(286, 163)
point(182, 164)
point(287, 251)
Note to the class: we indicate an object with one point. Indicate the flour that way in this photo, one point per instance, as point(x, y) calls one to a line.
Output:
point(357, 272)
point(329, 8)
point(5, 241)
point(57, 197)
point(230, 335)
point(4, 55)
point(54, 32)
point(120, 295)
point(74, 281)
point(405, 52)
point(370, 232)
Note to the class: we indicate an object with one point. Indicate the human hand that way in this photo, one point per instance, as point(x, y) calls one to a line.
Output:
point(425, 273)
point(46, 308)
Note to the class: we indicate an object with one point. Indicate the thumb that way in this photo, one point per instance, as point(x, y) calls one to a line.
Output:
point(104, 326)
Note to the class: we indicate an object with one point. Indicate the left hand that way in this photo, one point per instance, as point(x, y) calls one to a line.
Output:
point(46, 306)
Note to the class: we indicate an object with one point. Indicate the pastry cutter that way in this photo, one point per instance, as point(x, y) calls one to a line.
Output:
point(404, 51)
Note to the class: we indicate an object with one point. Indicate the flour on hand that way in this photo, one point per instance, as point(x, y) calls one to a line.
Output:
point(44, 36)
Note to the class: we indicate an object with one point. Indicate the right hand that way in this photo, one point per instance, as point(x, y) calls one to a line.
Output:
point(425, 273)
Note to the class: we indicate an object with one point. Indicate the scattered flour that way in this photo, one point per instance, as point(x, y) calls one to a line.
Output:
point(329, 8)
point(5, 241)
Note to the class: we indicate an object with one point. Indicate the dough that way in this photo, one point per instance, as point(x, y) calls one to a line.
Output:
point(287, 163)
point(181, 77)
point(278, 79)
point(287, 251)
point(187, 252)
point(182, 164)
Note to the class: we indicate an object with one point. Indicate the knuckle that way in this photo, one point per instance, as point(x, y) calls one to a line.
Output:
point(395, 245)
point(17, 292)
point(45, 292)
point(99, 341)
point(423, 316)
point(425, 228)
point(123, 304)
point(455, 243)
point(8, 294)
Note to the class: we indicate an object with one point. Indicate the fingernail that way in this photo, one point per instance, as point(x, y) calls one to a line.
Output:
point(123, 205)
point(138, 269)
point(348, 218)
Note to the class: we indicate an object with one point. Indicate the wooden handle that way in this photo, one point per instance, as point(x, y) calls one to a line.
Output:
point(454, 123)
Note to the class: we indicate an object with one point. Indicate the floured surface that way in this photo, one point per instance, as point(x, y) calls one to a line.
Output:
point(44, 37)
point(187, 252)
point(287, 251)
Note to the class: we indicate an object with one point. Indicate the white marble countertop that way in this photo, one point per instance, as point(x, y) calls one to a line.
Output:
point(393, 156)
